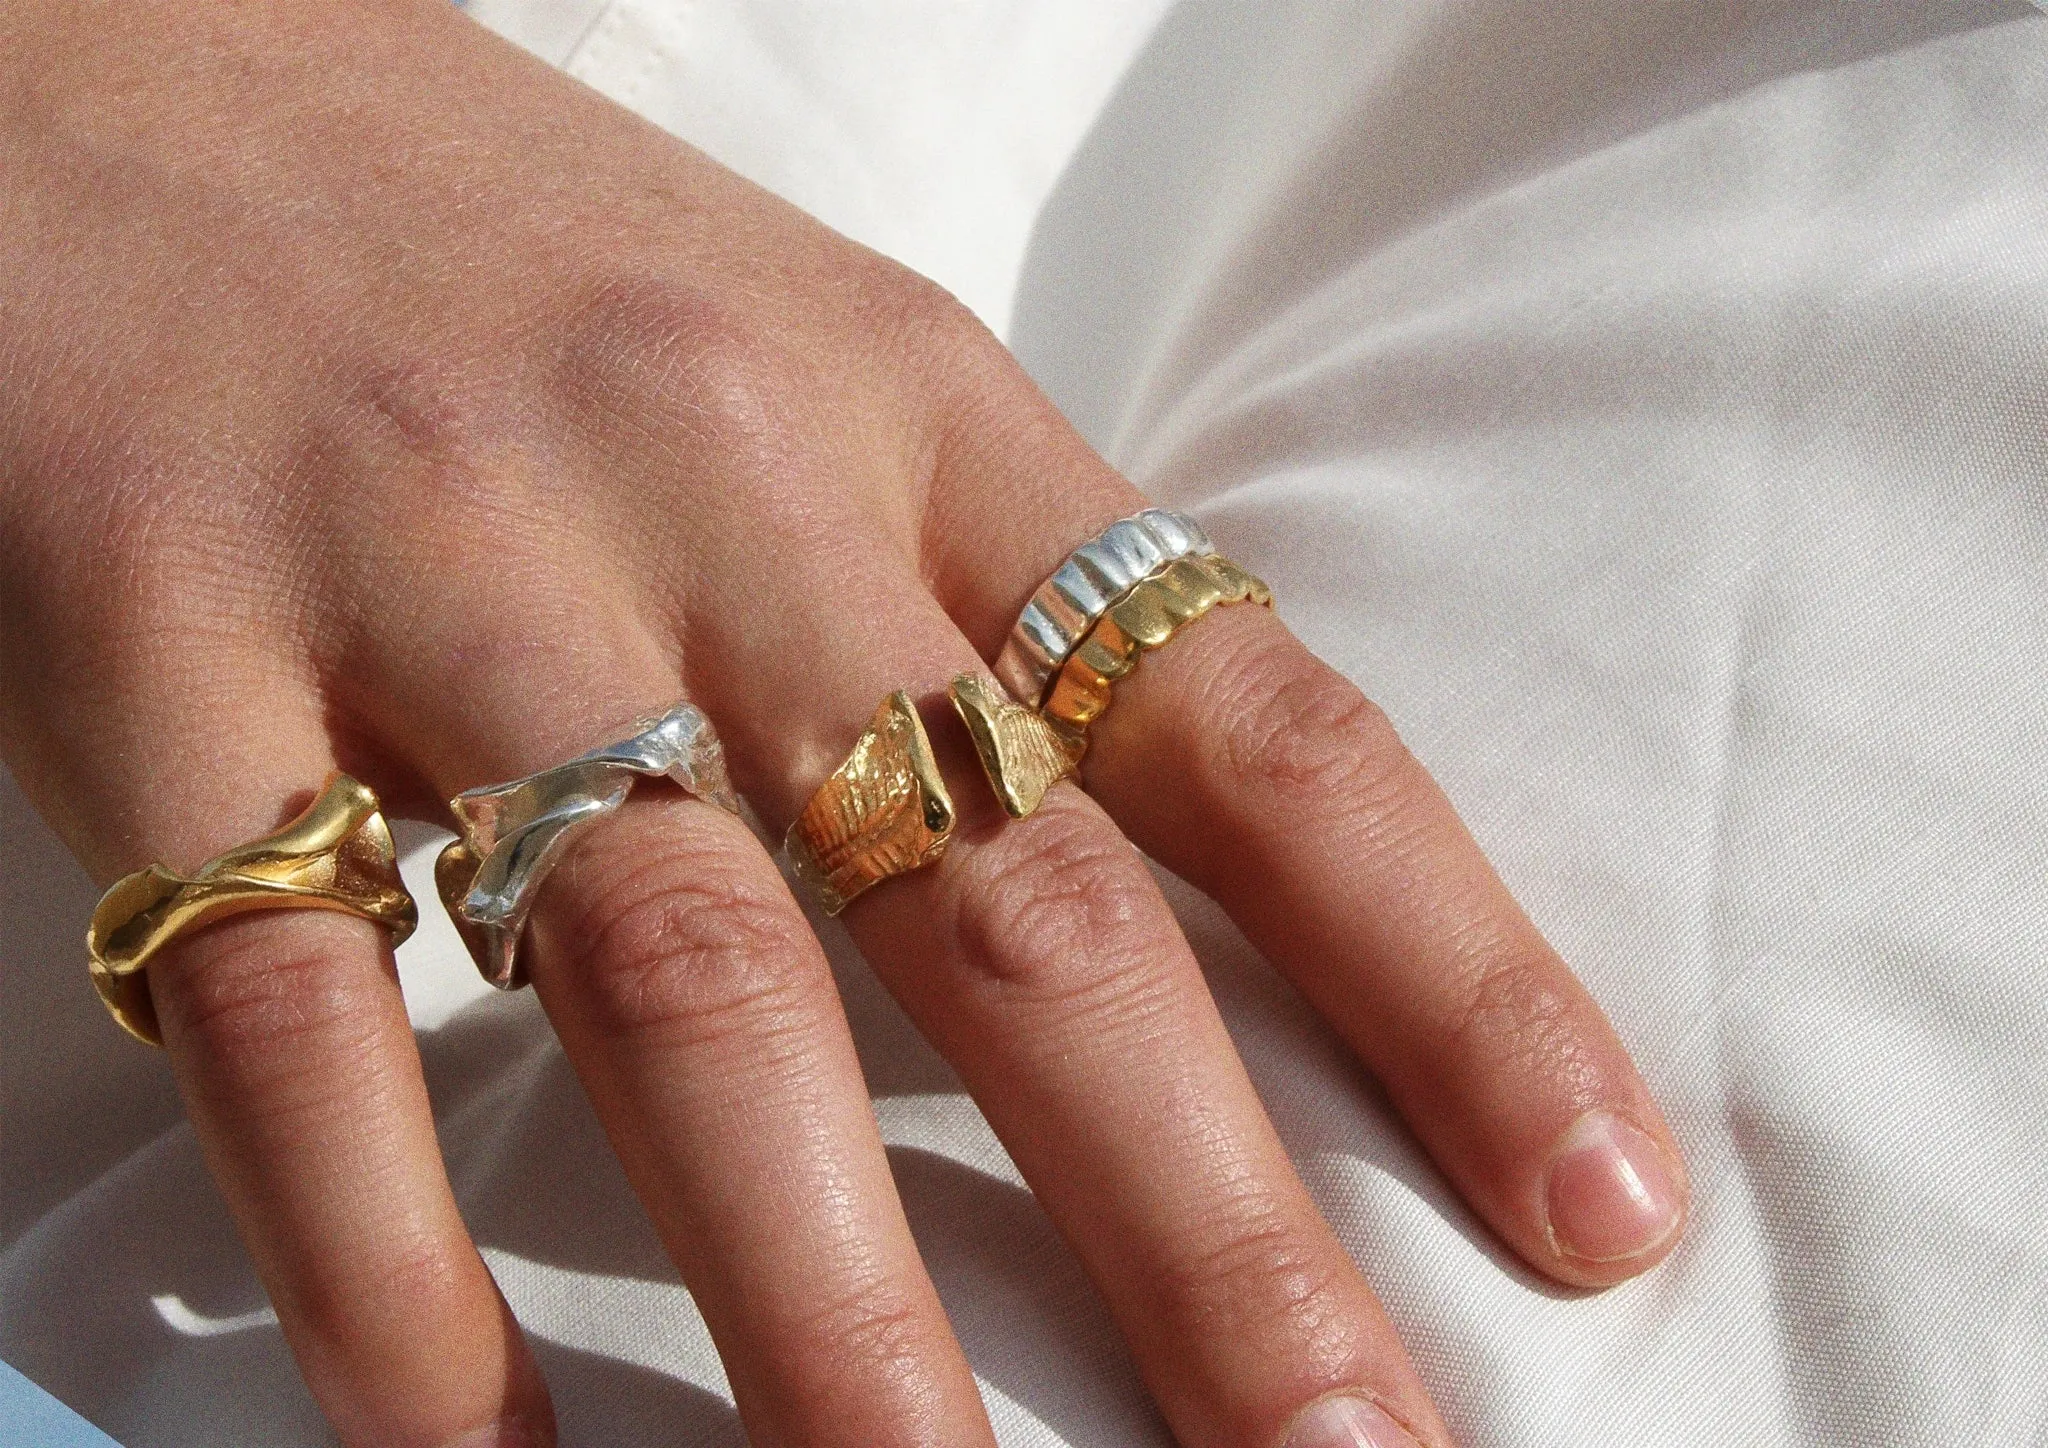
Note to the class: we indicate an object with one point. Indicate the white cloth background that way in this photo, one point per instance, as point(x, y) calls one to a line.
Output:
point(1645, 403)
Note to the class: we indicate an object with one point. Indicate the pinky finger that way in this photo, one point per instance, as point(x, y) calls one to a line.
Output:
point(292, 1049)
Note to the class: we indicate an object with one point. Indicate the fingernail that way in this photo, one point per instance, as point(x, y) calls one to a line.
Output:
point(506, 1433)
point(1346, 1423)
point(1613, 1194)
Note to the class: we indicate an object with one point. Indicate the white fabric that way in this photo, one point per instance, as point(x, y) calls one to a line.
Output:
point(930, 130)
point(1645, 403)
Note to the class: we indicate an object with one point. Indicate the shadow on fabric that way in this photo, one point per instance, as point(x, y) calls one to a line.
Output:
point(1171, 234)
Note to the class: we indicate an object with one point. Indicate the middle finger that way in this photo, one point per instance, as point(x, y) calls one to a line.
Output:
point(701, 1017)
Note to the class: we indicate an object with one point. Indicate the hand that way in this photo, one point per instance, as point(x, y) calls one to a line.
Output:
point(376, 396)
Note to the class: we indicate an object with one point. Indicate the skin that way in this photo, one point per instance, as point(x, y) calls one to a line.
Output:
point(372, 395)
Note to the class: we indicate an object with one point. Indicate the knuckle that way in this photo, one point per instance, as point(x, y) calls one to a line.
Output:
point(907, 302)
point(661, 358)
point(933, 330)
point(1514, 1011)
point(687, 940)
point(418, 1276)
point(1063, 910)
point(872, 1330)
point(1297, 728)
point(1269, 1278)
point(264, 1000)
point(418, 1272)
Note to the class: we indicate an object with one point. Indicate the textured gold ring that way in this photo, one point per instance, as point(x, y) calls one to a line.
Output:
point(1021, 752)
point(337, 855)
point(1145, 618)
point(883, 812)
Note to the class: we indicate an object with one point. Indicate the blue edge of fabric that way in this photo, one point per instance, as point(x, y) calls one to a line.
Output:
point(31, 1418)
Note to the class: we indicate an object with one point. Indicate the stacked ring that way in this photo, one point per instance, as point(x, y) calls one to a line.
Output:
point(1124, 592)
point(1143, 619)
point(513, 834)
point(1095, 575)
point(336, 855)
point(885, 811)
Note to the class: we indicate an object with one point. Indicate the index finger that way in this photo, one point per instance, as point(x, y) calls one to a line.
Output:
point(1269, 781)
point(290, 1042)
point(1262, 776)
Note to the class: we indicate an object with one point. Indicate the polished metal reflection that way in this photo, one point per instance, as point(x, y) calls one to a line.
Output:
point(513, 834)
point(1146, 618)
point(1095, 576)
point(883, 812)
point(335, 855)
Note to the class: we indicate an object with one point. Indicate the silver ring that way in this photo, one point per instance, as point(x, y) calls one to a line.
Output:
point(1086, 586)
point(513, 834)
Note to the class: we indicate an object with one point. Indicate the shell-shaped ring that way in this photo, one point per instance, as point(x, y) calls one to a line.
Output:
point(883, 812)
point(513, 834)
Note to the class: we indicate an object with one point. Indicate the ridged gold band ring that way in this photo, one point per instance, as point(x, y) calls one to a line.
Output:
point(1077, 593)
point(337, 855)
point(1124, 592)
point(1144, 619)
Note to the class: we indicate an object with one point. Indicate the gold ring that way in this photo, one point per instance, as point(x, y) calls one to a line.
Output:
point(337, 855)
point(1021, 752)
point(1167, 601)
point(884, 811)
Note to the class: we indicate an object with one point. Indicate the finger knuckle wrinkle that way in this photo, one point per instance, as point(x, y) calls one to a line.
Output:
point(409, 1277)
point(1514, 1008)
point(874, 1328)
point(1267, 1277)
point(255, 1009)
point(683, 942)
point(419, 1273)
point(1298, 730)
point(1072, 913)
